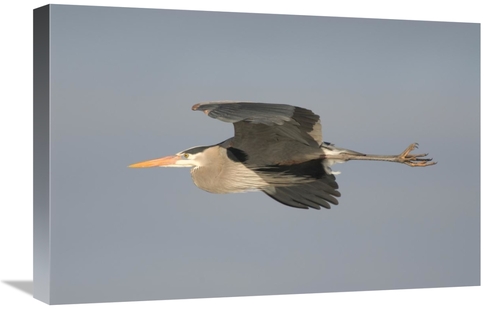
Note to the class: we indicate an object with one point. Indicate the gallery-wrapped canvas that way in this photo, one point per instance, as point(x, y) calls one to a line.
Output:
point(115, 86)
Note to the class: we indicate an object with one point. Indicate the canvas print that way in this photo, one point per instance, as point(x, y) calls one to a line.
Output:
point(306, 116)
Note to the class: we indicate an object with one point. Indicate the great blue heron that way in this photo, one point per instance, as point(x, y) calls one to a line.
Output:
point(277, 149)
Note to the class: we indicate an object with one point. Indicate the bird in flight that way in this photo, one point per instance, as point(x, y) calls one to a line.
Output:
point(277, 149)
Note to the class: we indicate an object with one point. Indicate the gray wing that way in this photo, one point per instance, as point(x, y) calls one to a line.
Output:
point(315, 194)
point(269, 133)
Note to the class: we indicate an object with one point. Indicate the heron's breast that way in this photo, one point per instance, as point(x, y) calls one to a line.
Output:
point(226, 179)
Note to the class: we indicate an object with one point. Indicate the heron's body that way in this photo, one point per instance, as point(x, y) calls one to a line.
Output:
point(277, 149)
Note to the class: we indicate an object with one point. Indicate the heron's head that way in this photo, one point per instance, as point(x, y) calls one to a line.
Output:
point(192, 157)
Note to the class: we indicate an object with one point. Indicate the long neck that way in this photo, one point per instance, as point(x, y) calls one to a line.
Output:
point(207, 176)
point(204, 177)
point(222, 175)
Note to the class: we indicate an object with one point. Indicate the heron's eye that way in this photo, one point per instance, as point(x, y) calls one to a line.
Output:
point(186, 155)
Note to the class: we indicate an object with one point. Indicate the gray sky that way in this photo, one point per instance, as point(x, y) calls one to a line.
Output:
point(123, 82)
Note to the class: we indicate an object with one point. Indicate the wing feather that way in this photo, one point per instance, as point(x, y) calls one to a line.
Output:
point(316, 194)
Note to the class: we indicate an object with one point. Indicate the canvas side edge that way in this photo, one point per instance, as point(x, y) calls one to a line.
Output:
point(41, 153)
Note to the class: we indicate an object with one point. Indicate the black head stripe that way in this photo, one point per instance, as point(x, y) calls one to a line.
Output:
point(195, 150)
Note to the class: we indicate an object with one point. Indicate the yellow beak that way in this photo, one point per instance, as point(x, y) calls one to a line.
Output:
point(165, 161)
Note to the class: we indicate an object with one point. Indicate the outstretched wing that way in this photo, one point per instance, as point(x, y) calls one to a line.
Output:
point(291, 121)
point(269, 133)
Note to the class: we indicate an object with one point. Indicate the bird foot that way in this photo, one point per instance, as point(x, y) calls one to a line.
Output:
point(414, 160)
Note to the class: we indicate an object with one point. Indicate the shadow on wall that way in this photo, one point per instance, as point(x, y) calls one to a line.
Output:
point(25, 286)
